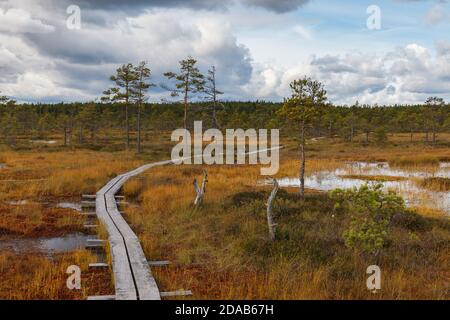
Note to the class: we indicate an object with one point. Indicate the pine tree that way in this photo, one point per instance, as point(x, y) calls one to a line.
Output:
point(189, 80)
point(122, 93)
point(139, 89)
point(308, 96)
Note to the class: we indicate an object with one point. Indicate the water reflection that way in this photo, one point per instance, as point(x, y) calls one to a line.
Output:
point(413, 194)
point(46, 246)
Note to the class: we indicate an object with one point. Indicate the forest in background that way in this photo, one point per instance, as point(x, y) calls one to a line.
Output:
point(83, 123)
point(124, 106)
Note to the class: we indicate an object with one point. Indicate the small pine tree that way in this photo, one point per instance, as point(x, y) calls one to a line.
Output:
point(188, 80)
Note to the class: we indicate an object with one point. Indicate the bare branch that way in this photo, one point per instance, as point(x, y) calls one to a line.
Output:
point(200, 191)
point(270, 201)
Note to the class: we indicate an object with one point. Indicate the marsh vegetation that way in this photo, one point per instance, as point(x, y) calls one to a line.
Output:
point(222, 248)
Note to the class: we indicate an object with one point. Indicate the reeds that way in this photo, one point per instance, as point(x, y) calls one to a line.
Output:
point(415, 161)
point(34, 277)
point(436, 184)
point(379, 178)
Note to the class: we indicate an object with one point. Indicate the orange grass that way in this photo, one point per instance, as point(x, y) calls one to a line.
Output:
point(65, 174)
point(221, 251)
point(33, 277)
point(436, 184)
point(36, 220)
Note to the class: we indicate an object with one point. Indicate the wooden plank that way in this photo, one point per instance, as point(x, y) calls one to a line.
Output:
point(158, 263)
point(139, 282)
point(95, 241)
point(176, 293)
point(123, 278)
point(132, 275)
point(98, 265)
point(101, 298)
point(89, 196)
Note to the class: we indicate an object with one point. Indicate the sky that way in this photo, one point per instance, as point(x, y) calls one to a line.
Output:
point(257, 46)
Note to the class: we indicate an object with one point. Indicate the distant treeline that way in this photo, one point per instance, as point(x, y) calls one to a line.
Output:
point(81, 122)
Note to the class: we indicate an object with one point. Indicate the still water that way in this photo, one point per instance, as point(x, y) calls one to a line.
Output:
point(46, 246)
point(408, 188)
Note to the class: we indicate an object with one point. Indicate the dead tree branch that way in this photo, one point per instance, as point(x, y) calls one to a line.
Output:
point(200, 191)
point(270, 201)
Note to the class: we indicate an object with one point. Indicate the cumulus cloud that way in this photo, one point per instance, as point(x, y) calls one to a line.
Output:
point(408, 74)
point(41, 60)
point(82, 60)
point(18, 20)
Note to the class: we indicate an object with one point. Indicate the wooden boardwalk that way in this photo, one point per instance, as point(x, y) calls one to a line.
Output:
point(133, 279)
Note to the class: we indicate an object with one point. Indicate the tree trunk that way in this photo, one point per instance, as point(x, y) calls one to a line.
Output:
point(270, 201)
point(127, 127)
point(367, 136)
point(411, 135)
point(139, 129)
point(302, 160)
point(185, 107)
point(127, 120)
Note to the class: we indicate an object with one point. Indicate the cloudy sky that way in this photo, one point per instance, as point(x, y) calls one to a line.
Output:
point(257, 46)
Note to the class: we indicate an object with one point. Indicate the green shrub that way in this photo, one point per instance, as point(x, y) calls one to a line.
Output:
point(371, 211)
point(368, 237)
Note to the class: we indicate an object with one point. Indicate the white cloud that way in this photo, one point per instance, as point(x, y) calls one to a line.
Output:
point(406, 75)
point(264, 83)
point(40, 59)
point(17, 20)
point(162, 37)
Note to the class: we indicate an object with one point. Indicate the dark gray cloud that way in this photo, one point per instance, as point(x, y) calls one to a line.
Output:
point(76, 64)
point(279, 6)
point(137, 4)
point(332, 64)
